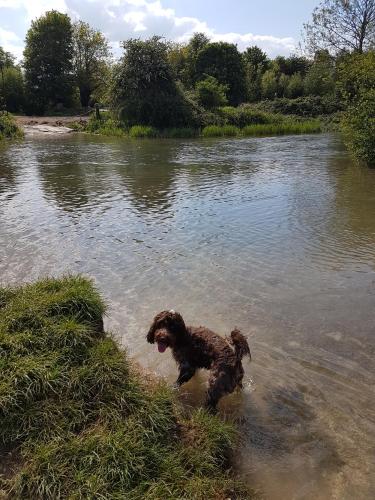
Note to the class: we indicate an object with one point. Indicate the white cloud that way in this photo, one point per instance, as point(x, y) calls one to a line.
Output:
point(11, 42)
point(122, 19)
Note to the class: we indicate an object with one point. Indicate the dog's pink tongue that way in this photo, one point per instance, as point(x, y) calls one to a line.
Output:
point(161, 347)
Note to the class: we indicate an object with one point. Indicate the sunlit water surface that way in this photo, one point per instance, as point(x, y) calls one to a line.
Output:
point(273, 235)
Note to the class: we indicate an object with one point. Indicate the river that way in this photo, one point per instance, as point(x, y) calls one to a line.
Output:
point(273, 235)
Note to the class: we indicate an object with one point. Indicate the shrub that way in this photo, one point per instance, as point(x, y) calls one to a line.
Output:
point(8, 127)
point(303, 106)
point(105, 126)
point(358, 126)
point(142, 131)
point(246, 115)
point(211, 94)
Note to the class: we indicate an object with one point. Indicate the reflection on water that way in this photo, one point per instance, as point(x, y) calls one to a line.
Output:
point(273, 235)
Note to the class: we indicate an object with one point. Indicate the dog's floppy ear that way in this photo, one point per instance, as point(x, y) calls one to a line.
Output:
point(154, 326)
point(175, 322)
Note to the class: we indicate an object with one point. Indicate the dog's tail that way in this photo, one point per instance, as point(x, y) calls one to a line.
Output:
point(240, 344)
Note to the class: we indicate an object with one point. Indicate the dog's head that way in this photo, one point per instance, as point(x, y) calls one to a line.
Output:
point(167, 329)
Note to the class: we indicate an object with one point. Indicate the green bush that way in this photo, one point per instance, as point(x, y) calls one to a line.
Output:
point(183, 132)
point(142, 131)
point(8, 127)
point(358, 127)
point(105, 126)
point(246, 115)
point(83, 421)
point(309, 106)
point(211, 94)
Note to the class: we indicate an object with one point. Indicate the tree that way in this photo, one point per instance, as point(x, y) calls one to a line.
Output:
point(293, 64)
point(144, 91)
point(256, 63)
point(356, 73)
point(342, 25)
point(11, 82)
point(197, 43)
point(223, 61)
point(358, 127)
point(91, 56)
point(269, 84)
point(211, 94)
point(294, 88)
point(48, 62)
point(320, 79)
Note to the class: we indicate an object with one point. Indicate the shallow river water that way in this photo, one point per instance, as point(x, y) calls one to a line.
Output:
point(273, 235)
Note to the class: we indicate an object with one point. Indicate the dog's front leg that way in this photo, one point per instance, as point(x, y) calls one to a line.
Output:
point(186, 372)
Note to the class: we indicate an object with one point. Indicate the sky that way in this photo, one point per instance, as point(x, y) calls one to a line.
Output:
point(273, 25)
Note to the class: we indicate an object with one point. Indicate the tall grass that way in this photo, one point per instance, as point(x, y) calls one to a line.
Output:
point(9, 128)
point(84, 420)
point(283, 128)
point(141, 131)
point(220, 131)
point(263, 129)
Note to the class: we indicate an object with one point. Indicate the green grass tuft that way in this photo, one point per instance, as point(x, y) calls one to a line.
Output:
point(220, 131)
point(140, 131)
point(283, 128)
point(82, 419)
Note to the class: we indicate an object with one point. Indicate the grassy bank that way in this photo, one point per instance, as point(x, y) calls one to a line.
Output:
point(8, 127)
point(77, 420)
point(268, 125)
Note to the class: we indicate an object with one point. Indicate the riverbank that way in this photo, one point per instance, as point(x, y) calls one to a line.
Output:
point(9, 128)
point(79, 419)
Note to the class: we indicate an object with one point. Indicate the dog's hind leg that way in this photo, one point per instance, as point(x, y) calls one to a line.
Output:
point(219, 384)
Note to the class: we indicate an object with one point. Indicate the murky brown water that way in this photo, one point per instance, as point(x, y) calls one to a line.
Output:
point(273, 235)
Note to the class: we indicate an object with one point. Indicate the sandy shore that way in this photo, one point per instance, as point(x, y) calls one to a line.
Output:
point(50, 125)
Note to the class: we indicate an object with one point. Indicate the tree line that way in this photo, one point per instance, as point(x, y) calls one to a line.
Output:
point(165, 84)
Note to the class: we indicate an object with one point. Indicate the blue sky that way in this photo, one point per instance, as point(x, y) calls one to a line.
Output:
point(274, 25)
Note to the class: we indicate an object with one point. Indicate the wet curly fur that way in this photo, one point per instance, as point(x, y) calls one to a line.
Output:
point(199, 347)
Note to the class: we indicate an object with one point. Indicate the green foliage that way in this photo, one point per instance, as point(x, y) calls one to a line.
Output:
point(269, 84)
point(358, 127)
point(320, 79)
point(144, 90)
point(12, 88)
point(48, 63)
point(280, 127)
point(211, 94)
point(91, 57)
point(223, 131)
point(294, 88)
point(356, 72)
point(9, 130)
point(303, 106)
point(288, 127)
point(85, 422)
point(292, 65)
point(256, 63)
point(223, 61)
point(105, 126)
point(142, 131)
point(246, 115)
point(190, 74)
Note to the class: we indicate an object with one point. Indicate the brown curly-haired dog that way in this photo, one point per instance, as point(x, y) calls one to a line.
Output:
point(199, 347)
